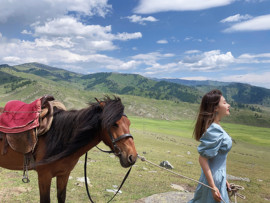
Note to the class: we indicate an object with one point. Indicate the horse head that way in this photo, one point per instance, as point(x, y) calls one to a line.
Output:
point(116, 133)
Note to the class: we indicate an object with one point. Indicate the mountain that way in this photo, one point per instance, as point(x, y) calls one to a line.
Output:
point(51, 73)
point(193, 82)
point(240, 93)
point(243, 93)
point(142, 96)
point(131, 84)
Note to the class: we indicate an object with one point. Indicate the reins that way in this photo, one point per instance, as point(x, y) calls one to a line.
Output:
point(117, 152)
point(234, 188)
point(85, 178)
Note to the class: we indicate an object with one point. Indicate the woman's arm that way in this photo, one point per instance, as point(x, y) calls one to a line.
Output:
point(208, 174)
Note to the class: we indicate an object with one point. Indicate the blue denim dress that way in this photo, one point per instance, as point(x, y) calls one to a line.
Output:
point(215, 145)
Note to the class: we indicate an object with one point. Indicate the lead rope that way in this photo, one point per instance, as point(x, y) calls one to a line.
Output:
point(143, 159)
point(234, 192)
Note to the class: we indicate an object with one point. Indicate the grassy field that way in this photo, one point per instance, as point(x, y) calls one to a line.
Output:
point(163, 131)
point(157, 140)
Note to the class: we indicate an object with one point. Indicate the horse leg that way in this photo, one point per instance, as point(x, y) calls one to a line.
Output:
point(44, 182)
point(62, 187)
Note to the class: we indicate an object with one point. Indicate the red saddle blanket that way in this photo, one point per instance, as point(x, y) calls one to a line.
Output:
point(18, 116)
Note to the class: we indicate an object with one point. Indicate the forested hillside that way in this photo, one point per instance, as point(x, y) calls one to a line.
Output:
point(142, 96)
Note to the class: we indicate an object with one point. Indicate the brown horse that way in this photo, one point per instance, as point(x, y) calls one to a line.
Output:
point(72, 134)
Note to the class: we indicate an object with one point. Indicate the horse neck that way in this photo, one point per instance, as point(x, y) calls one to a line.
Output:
point(78, 131)
point(87, 147)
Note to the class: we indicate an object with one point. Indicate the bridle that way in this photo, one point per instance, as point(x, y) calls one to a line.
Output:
point(117, 152)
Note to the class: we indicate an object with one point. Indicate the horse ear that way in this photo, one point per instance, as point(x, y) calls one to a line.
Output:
point(97, 100)
point(101, 103)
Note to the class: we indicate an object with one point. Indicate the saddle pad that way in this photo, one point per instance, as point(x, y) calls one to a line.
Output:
point(19, 117)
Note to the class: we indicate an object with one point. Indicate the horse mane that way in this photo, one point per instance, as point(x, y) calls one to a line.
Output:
point(74, 129)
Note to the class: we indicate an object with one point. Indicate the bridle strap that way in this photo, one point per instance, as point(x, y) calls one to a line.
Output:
point(116, 149)
point(106, 151)
point(114, 142)
point(122, 137)
point(86, 184)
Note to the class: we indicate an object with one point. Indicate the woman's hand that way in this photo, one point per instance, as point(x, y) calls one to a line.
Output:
point(228, 186)
point(216, 194)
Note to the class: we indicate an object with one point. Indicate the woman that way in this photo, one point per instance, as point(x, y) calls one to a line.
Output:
point(213, 150)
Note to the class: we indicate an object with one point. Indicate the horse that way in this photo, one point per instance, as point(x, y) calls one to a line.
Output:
point(72, 134)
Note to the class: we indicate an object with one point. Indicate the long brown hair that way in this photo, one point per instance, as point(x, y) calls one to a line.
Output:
point(206, 114)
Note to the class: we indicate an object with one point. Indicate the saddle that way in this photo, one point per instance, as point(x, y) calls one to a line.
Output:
point(21, 123)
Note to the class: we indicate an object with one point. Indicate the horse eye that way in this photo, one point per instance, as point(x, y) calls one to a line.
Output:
point(115, 125)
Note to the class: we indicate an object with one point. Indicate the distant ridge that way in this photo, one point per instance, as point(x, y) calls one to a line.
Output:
point(233, 91)
point(132, 84)
point(193, 82)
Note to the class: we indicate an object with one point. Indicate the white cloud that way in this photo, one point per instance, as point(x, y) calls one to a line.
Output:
point(206, 61)
point(195, 78)
point(162, 41)
point(192, 39)
point(151, 64)
point(18, 52)
point(26, 32)
point(254, 58)
point(158, 68)
point(120, 65)
point(58, 42)
point(65, 35)
point(192, 51)
point(65, 44)
point(60, 38)
point(196, 60)
point(141, 20)
point(127, 36)
point(236, 18)
point(255, 1)
point(263, 55)
point(154, 6)
point(68, 26)
point(25, 51)
point(255, 24)
point(258, 79)
point(151, 58)
point(29, 11)
point(12, 59)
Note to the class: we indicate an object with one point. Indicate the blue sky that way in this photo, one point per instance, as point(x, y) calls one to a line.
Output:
point(223, 40)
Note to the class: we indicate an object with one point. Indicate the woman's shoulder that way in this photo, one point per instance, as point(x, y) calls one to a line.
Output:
point(215, 127)
point(214, 130)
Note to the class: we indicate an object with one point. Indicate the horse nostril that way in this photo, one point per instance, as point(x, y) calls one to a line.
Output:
point(130, 159)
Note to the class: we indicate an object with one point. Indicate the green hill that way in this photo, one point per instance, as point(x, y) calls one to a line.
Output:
point(142, 97)
point(239, 93)
point(133, 84)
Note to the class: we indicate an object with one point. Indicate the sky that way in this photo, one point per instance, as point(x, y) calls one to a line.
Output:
point(221, 40)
